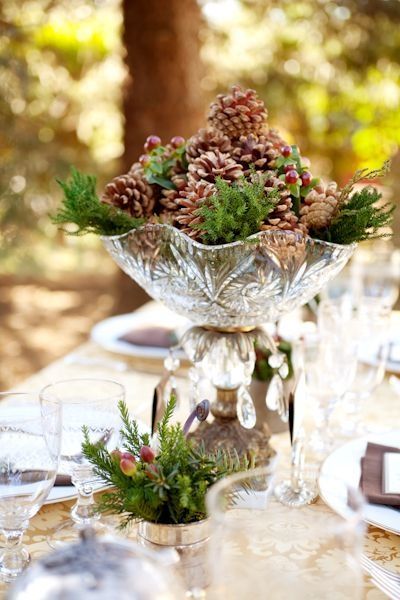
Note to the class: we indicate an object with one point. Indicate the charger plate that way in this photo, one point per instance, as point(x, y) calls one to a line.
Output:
point(344, 464)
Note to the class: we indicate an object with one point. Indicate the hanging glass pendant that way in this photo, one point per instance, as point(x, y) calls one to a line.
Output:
point(284, 370)
point(276, 360)
point(274, 396)
point(246, 411)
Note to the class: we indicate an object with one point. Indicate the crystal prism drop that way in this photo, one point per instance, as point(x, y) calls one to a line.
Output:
point(274, 393)
point(246, 411)
point(276, 360)
point(283, 370)
point(171, 363)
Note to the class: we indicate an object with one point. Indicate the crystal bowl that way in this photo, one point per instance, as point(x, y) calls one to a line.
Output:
point(231, 286)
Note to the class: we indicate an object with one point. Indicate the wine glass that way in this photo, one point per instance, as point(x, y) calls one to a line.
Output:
point(262, 549)
point(330, 364)
point(30, 437)
point(90, 403)
point(367, 322)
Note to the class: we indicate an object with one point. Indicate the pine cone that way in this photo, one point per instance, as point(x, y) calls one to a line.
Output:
point(169, 197)
point(205, 140)
point(189, 200)
point(319, 206)
point(131, 193)
point(238, 113)
point(253, 150)
point(282, 216)
point(213, 164)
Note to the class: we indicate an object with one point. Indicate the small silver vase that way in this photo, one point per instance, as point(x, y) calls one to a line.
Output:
point(190, 542)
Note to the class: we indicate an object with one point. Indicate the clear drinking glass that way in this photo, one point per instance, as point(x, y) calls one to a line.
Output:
point(262, 549)
point(330, 364)
point(367, 323)
point(92, 403)
point(30, 437)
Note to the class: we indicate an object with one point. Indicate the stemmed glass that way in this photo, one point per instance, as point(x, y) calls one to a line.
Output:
point(30, 437)
point(330, 364)
point(262, 549)
point(367, 322)
point(92, 403)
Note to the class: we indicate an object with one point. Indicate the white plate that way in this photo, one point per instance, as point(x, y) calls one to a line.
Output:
point(67, 492)
point(107, 332)
point(344, 464)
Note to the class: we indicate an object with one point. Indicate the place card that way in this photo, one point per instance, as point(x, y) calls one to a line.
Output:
point(391, 472)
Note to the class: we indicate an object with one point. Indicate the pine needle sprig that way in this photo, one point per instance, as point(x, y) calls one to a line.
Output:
point(362, 175)
point(236, 211)
point(82, 207)
point(361, 218)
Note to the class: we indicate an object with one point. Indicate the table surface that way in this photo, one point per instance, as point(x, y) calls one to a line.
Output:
point(140, 379)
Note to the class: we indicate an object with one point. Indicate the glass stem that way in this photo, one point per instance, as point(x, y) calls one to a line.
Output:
point(83, 511)
point(14, 556)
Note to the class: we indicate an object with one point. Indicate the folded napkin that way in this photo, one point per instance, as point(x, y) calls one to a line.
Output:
point(157, 337)
point(371, 482)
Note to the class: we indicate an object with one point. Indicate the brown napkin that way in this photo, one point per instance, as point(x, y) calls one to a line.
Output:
point(62, 480)
point(371, 482)
point(157, 337)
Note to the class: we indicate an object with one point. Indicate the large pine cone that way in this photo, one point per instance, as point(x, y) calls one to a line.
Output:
point(282, 217)
point(213, 164)
point(238, 113)
point(131, 193)
point(257, 151)
point(319, 206)
point(188, 202)
point(205, 140)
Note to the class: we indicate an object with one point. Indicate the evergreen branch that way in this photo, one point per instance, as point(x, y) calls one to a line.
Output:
point(82, 207)
point(361, 218)
point(236, 211)
point(362, 174)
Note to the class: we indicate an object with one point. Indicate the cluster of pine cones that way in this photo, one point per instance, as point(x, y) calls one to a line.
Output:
point(236, 143)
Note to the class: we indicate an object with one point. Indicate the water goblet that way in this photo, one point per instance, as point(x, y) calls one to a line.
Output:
point(262, 549)
point(330, 364)
point(93, 404)
point(367, 322)
point(30, 438)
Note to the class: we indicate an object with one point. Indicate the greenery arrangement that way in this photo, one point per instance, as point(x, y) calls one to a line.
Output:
point(226, 182)
point(235, 211)
point(167, 485)
point(263, 370)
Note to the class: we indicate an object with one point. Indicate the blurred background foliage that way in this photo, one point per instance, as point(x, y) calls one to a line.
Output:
point(328, 71)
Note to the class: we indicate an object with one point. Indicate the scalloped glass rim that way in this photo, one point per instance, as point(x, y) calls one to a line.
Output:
point(227, 286)
point(259, 234)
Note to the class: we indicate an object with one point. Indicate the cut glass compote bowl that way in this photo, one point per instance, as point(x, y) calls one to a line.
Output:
point(228, 292)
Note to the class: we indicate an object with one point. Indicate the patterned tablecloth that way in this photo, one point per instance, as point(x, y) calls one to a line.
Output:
point(382, 411)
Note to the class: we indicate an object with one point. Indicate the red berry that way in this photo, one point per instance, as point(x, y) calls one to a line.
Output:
point(116, 454)
point(153, 141)
point(147, 454)
point(286, 151)
point(144, 160)
point(291, 176)
point(177, 141)
point(306, 178)
point(128, 465)
point(290, 167)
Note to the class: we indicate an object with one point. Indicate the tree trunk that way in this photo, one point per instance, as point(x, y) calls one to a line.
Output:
point(162, 93)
